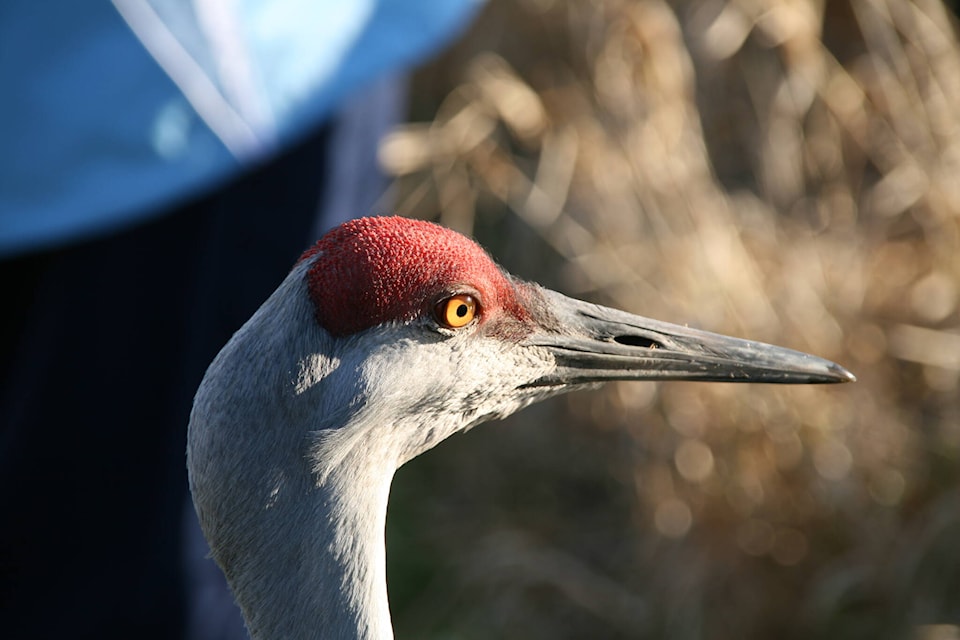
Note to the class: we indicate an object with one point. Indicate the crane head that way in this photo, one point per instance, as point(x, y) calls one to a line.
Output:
point(401, 322)
point(444, 333)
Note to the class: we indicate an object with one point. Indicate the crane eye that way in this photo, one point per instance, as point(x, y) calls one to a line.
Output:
point(457, 311)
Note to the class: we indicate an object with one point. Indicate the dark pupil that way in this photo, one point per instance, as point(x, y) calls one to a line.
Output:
point(461, 310)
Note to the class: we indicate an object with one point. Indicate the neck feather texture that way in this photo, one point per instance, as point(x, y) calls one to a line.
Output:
point(324, 575)
point(294, 510)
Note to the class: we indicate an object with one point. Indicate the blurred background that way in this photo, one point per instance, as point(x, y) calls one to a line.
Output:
point(783, 170)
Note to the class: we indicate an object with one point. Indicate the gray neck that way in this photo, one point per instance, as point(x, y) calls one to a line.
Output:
point(302, 544)
point(293, 508)
point(325, 573)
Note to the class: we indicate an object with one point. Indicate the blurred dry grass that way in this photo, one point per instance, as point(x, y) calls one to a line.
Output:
point(784, 170)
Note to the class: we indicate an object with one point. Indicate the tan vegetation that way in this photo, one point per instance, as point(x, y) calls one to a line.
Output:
point(784, 170)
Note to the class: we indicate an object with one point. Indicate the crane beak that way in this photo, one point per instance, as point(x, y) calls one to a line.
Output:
point(594, 344)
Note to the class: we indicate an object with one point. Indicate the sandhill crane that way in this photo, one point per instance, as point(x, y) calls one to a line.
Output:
point(388, 336)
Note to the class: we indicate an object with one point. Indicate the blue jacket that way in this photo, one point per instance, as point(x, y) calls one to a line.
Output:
point(111, 112)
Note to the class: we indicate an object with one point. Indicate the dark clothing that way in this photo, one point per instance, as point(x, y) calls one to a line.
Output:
point(102, 347)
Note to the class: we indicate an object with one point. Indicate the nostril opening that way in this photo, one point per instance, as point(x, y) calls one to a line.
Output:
point(637, 341)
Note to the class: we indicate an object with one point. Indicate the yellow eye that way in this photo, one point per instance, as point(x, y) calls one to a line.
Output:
point(457, 311)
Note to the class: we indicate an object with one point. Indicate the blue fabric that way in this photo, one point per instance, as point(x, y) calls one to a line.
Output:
point(99, 129)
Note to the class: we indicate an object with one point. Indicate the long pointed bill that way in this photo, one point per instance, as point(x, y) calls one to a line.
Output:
point(597, 344)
